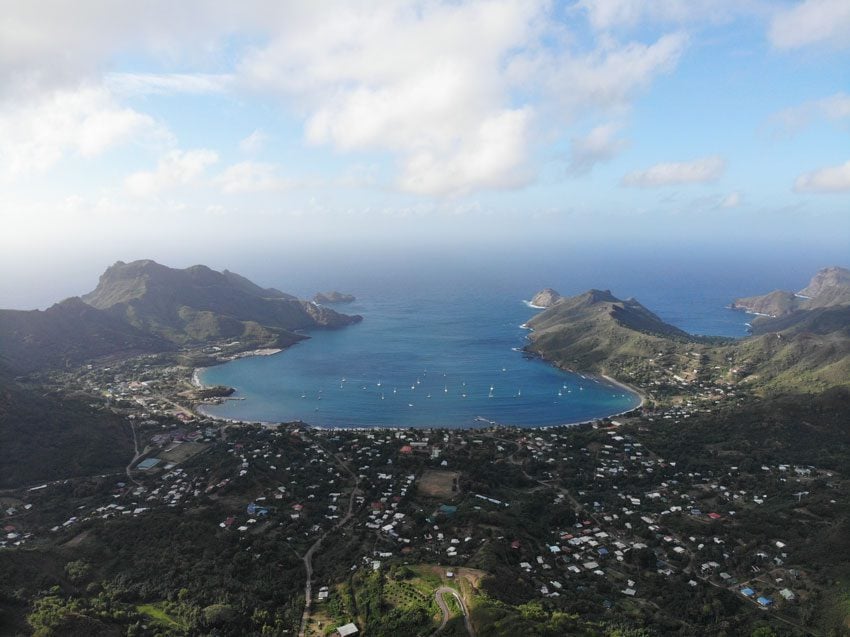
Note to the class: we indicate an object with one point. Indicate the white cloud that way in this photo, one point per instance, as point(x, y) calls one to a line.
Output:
point(812, 22)
point(431, 83)
point(698, 171)
point(835, 107)
point(37, 132)
point(135, 84)
point(254, 142)
point(605, 79)
point(44, 43)
point(176, 168)
point(614, 14)
point(409, 79)
point(249, 176)
point(600, 145)
point(458, 112)
point(492, 155)
point(829, 179)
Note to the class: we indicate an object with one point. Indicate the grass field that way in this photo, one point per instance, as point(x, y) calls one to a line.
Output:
point(158, 615)
point(438, 484)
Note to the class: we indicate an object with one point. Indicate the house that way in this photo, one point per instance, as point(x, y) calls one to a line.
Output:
point(348, 629)
point(765, 601)
point(747, 592)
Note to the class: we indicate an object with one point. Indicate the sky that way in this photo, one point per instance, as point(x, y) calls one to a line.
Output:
point(189, 131)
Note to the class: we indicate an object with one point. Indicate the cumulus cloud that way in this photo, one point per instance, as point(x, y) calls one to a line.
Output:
point(175, 169)
point(458, 94)
point(812, 22)
point(698, 171)
point(249, 176)
point(600, 145)
point(36, 133)
point(829, 179)
point(410, 80)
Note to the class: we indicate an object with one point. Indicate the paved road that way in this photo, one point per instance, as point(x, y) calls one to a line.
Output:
point(441, 602)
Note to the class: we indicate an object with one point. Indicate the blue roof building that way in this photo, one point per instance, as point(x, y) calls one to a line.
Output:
point(764, 601)
point(747, 592)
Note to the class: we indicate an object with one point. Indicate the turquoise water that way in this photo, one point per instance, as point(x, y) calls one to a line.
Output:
point(416, 363)
point(440, 330)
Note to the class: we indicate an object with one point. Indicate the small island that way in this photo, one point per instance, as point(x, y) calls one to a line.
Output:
point(545, 298)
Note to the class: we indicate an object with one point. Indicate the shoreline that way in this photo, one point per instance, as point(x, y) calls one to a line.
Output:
point(199, 408)
point(630, 388)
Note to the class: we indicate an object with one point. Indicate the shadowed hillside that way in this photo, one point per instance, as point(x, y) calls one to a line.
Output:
point(52, 436)
point(68, 334)
point(145, 307)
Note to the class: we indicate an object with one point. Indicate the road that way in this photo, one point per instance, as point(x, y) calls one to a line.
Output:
point(308, 556)
point(441, 602)
point(138, 454)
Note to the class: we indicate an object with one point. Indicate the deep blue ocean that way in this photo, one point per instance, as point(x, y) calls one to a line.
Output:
point(441, 337)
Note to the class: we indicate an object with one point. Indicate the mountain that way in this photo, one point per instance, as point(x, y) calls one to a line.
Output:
point(145, 307)
point(67, 334)
point(776, 303)
point(596, 331)
point(829, 287)
point(198, 304)
point(324, 298)
point(804, 347)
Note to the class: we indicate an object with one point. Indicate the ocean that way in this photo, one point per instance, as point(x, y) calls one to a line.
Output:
point(440, 343)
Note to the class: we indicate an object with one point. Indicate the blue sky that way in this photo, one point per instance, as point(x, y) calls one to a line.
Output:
point(175, 130)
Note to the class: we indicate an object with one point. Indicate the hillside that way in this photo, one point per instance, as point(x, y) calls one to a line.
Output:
point(808, 349)
point(52, 436)
point(198, 304)
point(145, 307)
point(802, 349)
point(598, 332)
point(325, 298)
point(829, 287)
point(68, 334)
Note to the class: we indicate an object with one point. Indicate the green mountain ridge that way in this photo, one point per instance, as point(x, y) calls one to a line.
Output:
point(146, 307)
point(69, 333)
point(804, 349)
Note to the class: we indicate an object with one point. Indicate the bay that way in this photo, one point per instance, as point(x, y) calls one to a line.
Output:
point(441, 339)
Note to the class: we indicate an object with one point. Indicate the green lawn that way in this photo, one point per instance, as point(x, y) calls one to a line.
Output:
point(156, 613)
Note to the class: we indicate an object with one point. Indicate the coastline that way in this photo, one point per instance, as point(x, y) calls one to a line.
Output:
point(201, 407)
point(630, 388)
point(199, 384)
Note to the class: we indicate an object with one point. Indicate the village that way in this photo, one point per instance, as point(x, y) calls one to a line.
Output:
point(582, 516)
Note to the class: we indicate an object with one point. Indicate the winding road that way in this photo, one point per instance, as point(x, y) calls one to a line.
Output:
point(308, 556)
point(441, 602)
